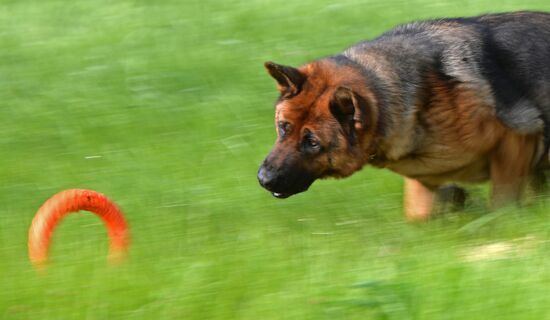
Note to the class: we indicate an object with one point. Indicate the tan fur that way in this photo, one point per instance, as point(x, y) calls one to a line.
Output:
point(508, 177)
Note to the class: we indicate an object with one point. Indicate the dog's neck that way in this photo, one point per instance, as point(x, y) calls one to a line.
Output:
point(397, 134)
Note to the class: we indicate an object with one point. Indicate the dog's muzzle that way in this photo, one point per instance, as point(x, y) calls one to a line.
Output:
point(283, 184)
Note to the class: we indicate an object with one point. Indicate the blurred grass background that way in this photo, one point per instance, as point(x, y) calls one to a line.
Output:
point(165, 107)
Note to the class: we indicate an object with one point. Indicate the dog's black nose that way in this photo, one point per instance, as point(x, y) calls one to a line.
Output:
point(265, 177)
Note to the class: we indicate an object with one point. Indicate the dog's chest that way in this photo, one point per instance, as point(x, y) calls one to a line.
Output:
point(450, 150)
point(452, 139)
point(442, 165)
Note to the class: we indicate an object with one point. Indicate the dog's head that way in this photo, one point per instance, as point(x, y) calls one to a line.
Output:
point(326, 119)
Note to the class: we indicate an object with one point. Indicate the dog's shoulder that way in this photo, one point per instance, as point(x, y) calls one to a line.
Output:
point(486, 54)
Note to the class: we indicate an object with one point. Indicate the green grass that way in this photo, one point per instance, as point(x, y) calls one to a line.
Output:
point(165, 107)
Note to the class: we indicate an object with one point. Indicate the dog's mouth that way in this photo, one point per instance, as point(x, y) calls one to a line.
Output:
point(289, 193)
point(280, 195)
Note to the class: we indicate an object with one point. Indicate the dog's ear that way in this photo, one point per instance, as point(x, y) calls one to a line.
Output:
point(289, 79)
point(350, 109)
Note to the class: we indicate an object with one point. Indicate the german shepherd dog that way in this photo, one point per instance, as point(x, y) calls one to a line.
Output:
point(459, 100)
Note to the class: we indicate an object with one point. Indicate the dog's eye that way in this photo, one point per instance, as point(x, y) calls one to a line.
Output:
point(311, 144)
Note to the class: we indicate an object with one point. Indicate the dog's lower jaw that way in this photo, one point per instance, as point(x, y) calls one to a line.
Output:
point(279, 195)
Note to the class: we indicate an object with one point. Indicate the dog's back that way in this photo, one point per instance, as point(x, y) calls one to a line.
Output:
point(505, 57)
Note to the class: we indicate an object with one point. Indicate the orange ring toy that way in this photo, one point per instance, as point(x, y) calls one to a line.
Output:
point(73, 200)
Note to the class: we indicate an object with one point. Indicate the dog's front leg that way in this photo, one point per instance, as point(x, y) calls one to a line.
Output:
point(418, 201)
